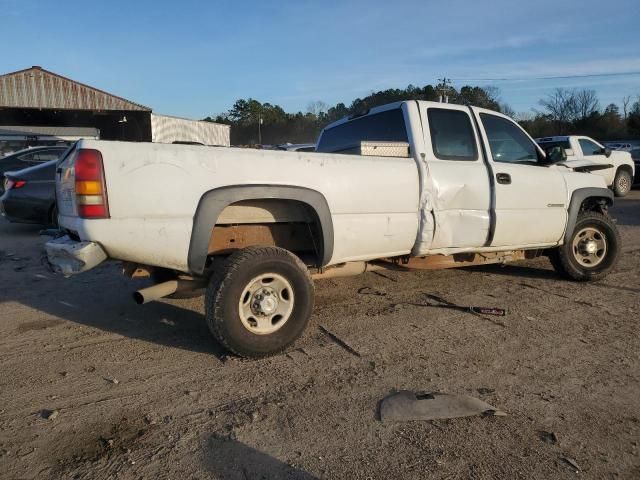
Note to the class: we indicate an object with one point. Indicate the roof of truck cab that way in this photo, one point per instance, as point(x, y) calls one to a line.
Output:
point(391, 106)
point(370, 111)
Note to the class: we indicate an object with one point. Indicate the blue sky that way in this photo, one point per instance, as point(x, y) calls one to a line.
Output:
point(195, 58)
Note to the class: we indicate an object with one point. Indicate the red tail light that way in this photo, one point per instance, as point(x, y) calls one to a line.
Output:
point(91, 190)
point(13, 184)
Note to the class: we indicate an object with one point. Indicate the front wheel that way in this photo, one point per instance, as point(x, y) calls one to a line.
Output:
point(622, 183)
point(591, 251)
point(260, 301)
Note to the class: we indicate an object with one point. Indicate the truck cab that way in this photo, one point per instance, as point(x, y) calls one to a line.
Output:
point(485, 184)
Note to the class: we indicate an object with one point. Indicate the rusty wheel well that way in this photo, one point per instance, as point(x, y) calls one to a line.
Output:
point(595, 204)
point(289, 224)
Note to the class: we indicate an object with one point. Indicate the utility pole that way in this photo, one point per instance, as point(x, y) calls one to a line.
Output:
point(443, 88)
point(260, 129)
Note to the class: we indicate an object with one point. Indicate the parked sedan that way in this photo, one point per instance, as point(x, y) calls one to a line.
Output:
point(27, 158)
point(30, 195)
point(635, 154)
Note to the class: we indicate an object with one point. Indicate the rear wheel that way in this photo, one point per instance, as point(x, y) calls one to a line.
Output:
point(260, 301)
point(591, 251)
point(622, 183)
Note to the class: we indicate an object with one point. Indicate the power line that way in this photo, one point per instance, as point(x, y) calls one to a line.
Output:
point(556, 77)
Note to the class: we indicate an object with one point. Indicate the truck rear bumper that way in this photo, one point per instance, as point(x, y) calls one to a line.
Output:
point(68, 256)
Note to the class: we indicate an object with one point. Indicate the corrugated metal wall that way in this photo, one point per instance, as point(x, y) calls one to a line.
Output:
point(38, 88)
point(166, 129)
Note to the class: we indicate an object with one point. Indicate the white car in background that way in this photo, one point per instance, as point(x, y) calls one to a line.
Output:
point(619, 174)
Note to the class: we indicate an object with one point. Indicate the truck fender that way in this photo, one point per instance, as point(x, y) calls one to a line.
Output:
point(577, 199)
point(213, 202)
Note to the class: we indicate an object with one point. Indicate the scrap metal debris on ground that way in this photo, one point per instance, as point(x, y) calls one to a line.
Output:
point(442, 303)
point(405, 406)
point(339, 341)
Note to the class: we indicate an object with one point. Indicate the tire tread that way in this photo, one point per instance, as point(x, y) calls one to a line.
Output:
point(221, 276)
point(561, 259)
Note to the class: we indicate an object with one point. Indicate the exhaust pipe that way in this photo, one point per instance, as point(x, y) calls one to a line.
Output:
point(180, 285)
point(155, 292)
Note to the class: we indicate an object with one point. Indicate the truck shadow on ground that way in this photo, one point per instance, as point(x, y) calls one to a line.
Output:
point(515, 270)
point(102, 300)
point(231, 460)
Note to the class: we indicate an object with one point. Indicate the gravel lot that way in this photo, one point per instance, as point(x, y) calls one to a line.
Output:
point(143, 392)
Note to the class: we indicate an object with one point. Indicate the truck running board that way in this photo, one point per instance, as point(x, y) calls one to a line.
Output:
point(432, 262)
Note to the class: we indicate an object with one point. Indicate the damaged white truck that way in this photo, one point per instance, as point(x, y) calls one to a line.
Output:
point(410, 185)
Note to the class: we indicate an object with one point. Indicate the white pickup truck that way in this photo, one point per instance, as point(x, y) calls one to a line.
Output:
point(620, 168)
point(410, 185)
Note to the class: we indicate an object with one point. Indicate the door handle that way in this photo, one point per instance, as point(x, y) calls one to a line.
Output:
point(503, 178)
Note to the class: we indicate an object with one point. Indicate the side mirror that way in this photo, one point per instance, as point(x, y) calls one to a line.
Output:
point(556, 154)
point(606, 151)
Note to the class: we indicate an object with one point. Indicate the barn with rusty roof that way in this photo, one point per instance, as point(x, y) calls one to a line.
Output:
point(36, 97)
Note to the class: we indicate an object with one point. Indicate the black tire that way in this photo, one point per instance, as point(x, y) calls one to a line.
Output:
point(568, 260)
point(622, 183)
point(228, 283)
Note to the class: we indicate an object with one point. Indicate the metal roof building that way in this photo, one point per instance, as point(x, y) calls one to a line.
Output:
point(36, 97)
point(38, 88)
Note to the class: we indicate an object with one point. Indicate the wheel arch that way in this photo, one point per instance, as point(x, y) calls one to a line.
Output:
point(591, 198)
point(626, 168)
point(213, 202)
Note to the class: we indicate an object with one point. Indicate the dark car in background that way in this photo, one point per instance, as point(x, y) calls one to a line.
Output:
point(635, 154)
point(28, 158)
point(30, 195)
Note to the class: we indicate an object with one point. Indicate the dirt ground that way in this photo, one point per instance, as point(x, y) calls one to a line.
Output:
point(139, 392)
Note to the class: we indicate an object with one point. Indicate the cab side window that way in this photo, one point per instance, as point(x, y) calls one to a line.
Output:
point(452, 135)
point(589, 148)
point(508, 142)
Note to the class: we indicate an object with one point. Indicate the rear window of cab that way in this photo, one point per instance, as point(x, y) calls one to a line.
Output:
point(387, 126)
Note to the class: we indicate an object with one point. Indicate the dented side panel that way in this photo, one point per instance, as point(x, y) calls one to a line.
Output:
point(458, 195)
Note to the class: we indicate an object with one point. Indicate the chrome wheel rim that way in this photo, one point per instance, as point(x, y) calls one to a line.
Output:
point(266, 304)
point(623, 184)
point(589, 247)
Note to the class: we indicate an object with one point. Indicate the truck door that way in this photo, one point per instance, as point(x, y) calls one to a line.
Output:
point(457, 177)
point(530, 199)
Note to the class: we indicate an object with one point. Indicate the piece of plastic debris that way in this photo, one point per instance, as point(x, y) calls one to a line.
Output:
point(370, 291)
point(571, 462)
point(405, 406)
point(548, 437)
point(485, 390)
point(49, 414)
